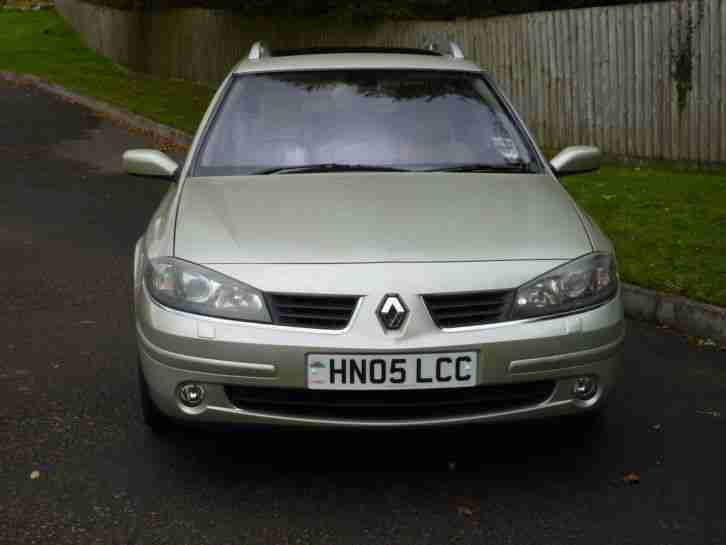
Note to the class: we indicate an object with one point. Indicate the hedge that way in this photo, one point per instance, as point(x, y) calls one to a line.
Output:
point(376, 9)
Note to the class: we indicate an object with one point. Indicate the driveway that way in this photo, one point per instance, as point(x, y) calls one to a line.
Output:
point(69, 409)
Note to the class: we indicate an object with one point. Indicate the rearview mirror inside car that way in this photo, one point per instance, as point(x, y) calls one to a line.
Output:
point(576, 160)
point(148, 162)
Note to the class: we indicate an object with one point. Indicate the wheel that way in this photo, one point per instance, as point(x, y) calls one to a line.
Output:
point(156, 420)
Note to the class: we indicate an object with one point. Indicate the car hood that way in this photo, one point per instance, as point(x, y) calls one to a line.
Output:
point(377, 217)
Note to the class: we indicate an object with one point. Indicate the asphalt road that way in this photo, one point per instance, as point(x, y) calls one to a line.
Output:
point(69, 408)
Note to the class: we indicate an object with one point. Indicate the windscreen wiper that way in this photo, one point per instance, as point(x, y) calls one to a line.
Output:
point(328, 167)
point(520, 166)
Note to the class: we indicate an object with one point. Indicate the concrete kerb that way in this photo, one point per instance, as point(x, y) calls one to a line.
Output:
point(679, 313)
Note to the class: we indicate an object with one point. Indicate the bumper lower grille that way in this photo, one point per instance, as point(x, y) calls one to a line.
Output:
point(390, 405)
point(469, 309)
point(312, 311)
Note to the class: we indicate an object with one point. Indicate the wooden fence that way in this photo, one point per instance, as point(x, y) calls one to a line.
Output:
point(643, 81)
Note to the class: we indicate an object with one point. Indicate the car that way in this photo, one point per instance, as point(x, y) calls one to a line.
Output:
point(370, 238)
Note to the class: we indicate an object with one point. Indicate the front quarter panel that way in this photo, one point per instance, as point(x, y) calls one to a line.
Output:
point(158, 239)
point(600, 242)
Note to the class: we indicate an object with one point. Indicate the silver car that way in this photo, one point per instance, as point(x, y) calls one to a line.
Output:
point(370, 238)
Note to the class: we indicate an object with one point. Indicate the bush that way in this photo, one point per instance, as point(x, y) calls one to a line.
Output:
point(376, 9)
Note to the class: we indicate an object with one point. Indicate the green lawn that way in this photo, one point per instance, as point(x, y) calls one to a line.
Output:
point(40, 43)
point(669, 227)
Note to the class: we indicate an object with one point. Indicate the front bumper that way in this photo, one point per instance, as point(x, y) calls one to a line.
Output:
point(177, 347)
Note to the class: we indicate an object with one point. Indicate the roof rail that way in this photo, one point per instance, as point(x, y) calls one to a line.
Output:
point(259, 50)
point(455, 51)
point(354, 49)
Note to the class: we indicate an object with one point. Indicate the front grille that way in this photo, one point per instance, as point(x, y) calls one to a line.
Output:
point(469, 309)
point(312, 311)
point(390, 405)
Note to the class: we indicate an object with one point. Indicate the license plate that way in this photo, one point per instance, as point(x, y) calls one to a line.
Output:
point(392, 371)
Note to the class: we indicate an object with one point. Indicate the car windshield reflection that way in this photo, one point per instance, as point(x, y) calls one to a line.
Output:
point(384, 119)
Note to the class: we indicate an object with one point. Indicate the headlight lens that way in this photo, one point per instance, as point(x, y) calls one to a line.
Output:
point(192, 288)
point(583, 282)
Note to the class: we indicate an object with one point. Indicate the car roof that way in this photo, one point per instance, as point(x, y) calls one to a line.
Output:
point(355, 49)
point(352, 58)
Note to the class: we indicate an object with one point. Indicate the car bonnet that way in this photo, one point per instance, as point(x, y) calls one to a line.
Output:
point(377, 217)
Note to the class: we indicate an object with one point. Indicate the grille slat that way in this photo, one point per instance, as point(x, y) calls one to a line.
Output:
point(390, 404)
point(311, 323)
point(312, 308)
point(312, 316)
point(312, 311)
point(460, 303)
point(469, 309)
point(452, 314)
point(315, 300)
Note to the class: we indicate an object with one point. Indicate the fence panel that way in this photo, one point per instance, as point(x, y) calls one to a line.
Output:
point(644, 80)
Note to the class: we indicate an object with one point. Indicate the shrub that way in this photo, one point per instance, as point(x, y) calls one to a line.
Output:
point(375, 9)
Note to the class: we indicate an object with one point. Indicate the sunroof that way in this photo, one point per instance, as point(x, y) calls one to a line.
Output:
point(330, 50)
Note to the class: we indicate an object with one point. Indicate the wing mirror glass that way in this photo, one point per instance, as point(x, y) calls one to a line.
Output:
point(577, 160)
point(148, 162)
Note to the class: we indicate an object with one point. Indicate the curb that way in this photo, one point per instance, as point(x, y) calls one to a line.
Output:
point(679, 313)
point(159, 130)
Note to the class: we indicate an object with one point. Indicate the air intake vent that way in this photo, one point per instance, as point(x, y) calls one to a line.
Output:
point(312, 311)
point(390, 405)
point(469, 309)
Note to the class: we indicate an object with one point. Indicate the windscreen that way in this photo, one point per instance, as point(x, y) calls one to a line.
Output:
point(409, 120)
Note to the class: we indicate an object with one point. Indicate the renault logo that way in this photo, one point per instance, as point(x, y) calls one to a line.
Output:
point(392, 313)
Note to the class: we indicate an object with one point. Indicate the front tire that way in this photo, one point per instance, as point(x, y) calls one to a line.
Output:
point(157, 421)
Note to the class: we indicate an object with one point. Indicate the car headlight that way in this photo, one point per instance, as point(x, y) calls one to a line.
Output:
point(185, 286)
point(584, 282)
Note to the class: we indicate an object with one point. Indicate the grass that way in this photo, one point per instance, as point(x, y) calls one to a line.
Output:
point(40, 43)
point(669, 227)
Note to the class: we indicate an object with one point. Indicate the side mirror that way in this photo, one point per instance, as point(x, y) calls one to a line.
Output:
point(149, 162)
point(576, 160)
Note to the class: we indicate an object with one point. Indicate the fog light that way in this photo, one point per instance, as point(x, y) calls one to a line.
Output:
point(584, 387)
point(191, 394)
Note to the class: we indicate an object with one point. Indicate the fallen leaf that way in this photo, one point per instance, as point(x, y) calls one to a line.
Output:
point(35, 474)
point(715, 414)
point(631, 478)
point(466, 506)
